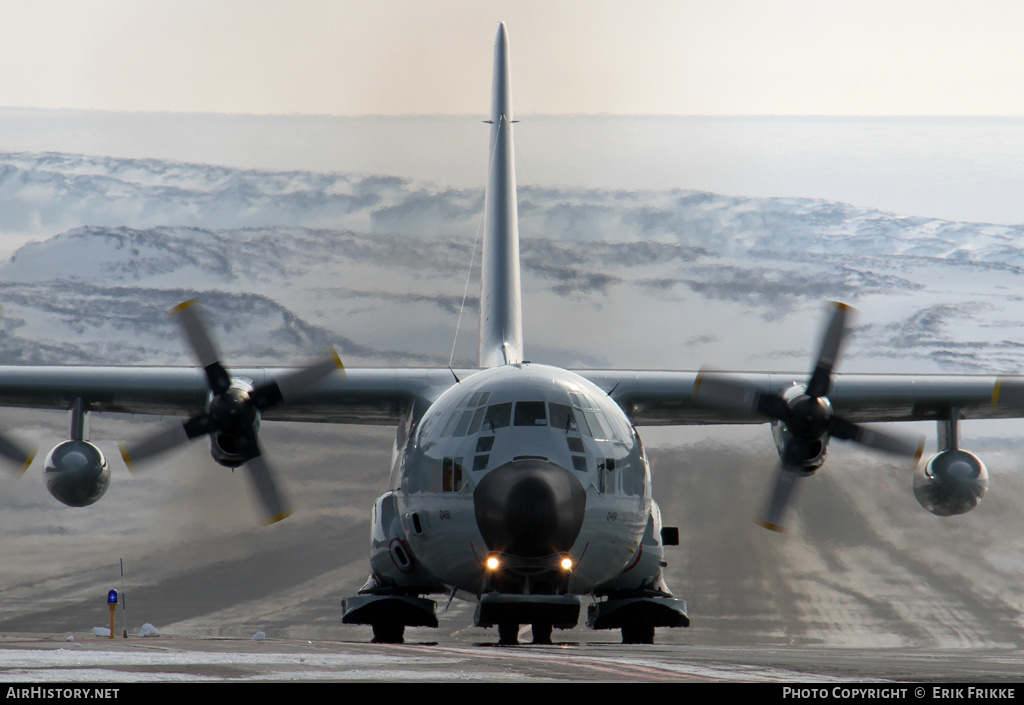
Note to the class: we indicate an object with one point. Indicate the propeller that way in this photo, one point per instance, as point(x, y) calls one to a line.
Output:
point(233, 413)
point(806, 415)
point(19, 457)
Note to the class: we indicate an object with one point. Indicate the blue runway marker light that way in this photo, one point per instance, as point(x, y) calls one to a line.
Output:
point(112, 602)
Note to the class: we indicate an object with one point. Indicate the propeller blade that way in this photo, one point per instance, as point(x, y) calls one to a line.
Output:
point(879, 440)
point(161, 442)
point(275, 507)
point(295, 384)
point(202, 344)
point(782, 495)
point(828, 353)
point(1008, 393)
point(16, 453)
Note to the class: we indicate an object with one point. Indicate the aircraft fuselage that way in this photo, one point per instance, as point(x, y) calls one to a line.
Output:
point(527, 462)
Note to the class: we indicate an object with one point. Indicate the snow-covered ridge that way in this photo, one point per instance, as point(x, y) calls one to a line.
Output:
point(49, 193)
point(380, 263)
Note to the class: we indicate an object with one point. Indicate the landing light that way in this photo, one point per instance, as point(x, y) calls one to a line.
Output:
point(566, 563)
point(492, 563)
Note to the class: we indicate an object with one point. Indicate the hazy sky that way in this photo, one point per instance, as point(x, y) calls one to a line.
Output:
point(346, 57)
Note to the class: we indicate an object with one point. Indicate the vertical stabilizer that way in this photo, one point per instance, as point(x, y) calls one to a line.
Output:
point(501, 310)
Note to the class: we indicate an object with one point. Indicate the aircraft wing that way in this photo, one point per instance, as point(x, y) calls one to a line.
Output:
point(653, 398)
point(362, 396)
point(379, 396)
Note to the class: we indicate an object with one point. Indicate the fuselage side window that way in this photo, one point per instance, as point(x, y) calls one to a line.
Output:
point(451, 475)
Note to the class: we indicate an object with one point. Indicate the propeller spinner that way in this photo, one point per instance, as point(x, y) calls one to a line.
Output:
point(233, 412)
point(805, 415)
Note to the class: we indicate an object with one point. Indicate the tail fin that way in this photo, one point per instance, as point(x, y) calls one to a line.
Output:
point(501, 310)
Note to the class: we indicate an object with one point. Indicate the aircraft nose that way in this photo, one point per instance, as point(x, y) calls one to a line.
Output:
point(529, 508)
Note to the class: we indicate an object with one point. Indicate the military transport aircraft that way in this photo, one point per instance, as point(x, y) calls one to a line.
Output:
point(520, 486)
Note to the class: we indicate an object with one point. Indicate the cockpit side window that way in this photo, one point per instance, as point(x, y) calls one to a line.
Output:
point(478, 419)
point(475, 400)
point(592, 419)
point(561, 417)
point(596, 428)
point(463, 425)
point(450, 426)
point(498, 416)
point(581, 421)
point(466, 419)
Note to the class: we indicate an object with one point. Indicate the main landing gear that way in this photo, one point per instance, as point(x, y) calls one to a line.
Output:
point(638, 634)
point(389, 615)
point(508, 633)
point(388, 633)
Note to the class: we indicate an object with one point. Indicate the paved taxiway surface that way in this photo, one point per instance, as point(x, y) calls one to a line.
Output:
point(40, 658)
point(867, 585)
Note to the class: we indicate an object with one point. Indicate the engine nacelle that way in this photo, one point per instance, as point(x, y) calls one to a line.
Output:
point(951, 482)
point(816, 452)
point(231, 450)
point(238, 425)
point(76, 473)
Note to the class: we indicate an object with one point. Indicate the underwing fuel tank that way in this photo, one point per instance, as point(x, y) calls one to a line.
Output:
point(951, 482)
point(76, 473)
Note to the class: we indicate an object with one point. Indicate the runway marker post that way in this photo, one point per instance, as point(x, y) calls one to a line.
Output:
point(112, 603)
